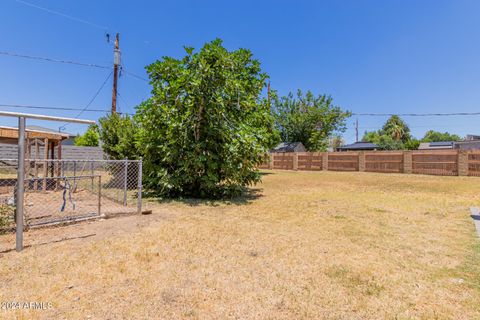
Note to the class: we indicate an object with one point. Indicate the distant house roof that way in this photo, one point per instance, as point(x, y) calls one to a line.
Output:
point(436, 145)
point(358, 146)
point(10, 134)
point(289, 147)
point(44, 129)
point(467, 145)
point(471, 137)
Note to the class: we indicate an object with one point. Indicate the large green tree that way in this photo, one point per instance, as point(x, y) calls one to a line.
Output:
point(394, 135)
point(206, 127)
point(436, 136)
point(309, 119)
point(397, 129)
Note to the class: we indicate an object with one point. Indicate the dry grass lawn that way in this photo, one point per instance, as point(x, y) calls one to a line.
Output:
point(316, 245)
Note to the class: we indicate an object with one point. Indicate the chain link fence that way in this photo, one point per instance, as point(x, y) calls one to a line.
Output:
point(62, 191)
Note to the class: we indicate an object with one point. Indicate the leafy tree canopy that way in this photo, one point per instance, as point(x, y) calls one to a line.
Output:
point(118, 136)
point(394, 135)
point(89, 138)
point(435, 136)
point(206, 127)
point(397, 129)
point(309, 119)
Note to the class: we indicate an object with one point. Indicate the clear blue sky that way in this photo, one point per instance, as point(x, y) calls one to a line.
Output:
point(371, 56)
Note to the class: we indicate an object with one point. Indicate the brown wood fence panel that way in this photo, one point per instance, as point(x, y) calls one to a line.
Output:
point(384, 161)
point(283, 160)
point(265, 163)
point(343, 161)
point(474, 163)
point(443, 163)
point(433, 162)
point(309, 161)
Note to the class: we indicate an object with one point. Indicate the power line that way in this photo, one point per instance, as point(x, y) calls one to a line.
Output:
point(95, 95)
point(418, 114)
point(92, 24)
point(134, 75)
point(90, 102)
point(51, 108)
point(12, 54)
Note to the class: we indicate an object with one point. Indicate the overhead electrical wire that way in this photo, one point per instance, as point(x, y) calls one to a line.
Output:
point(92, 24)
point(12, 54)
point(95, 95)
point(134, 75)
point(418, 114)
point(90, 102)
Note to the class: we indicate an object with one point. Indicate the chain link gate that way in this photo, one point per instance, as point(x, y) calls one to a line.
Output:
point(63, 191)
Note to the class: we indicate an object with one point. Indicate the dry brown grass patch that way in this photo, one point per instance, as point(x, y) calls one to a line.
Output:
point(322, 245)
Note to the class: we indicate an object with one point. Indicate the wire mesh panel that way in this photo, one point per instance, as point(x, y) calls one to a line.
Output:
point(58, 191)
point(61, 199)
point(8, 180)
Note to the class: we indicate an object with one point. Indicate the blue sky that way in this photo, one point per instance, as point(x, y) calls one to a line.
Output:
point(370, 56)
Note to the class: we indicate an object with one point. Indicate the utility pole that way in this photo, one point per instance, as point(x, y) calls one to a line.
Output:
point(356, 130)
point(116, 63)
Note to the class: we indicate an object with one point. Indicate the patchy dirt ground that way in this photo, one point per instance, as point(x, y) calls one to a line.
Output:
point(302, 245)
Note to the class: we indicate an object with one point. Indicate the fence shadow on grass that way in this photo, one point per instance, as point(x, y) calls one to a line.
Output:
point(249, 195)
point(50, 242)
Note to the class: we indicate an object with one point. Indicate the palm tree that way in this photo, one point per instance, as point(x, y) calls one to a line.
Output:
point(396, 128)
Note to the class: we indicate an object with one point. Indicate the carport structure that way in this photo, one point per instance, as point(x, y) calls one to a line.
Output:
point(38, 145)
point(50, 141)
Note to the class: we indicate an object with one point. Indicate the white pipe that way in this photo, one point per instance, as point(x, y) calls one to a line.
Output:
point(43, 117)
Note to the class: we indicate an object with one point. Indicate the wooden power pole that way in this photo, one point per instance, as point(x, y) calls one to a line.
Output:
point(116, 63)
point(356, 130)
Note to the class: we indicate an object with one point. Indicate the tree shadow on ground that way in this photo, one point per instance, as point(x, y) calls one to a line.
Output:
point(263, 173)
point(248, 196)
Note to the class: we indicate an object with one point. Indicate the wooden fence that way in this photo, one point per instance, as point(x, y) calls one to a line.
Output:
point(433, 162)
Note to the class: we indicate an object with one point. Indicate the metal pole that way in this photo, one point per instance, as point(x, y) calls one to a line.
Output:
point(43, 117)
point(139, 197)
point(92, 172)
point(99, 195)
point(125, 182)
point(20, 184)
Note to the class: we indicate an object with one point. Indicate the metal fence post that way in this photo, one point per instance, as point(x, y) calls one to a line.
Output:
point(92, 172)
point(139, 197)
point(125, 182)
point(99, 195)
point(20, 185)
